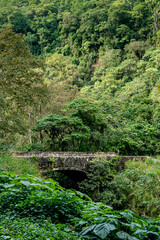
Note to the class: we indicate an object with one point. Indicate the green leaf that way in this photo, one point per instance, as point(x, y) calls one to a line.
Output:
point(86, 230)
point(15, 190)
point(135, 225)
point(84, 196)
point(140, 232)
point(9, 185)
point(125, 236)
point(102, 230)
point(26, 183)
point(127, 215)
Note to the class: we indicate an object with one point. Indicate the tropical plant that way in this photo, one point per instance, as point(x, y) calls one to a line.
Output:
point(33, 208)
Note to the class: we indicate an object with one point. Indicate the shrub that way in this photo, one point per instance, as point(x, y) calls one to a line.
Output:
point(31, 197)
point(143, 186)
point(18, 165)
point(102, 183)
point(37, 147)
point(136, 187)
point(32, 208)
point(31, 229)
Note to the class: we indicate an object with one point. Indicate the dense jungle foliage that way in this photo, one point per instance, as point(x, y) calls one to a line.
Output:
point(32, 208)
point(134, 186)
point(80, 75)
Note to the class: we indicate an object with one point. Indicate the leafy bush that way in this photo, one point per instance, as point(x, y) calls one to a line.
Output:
point(105, 223)
point(31, 208)
point(143, 186)
point(37, 147)
point(103, 183)
point(29, 229)
point(136, 187)
point(31, 197)
point(149, 165)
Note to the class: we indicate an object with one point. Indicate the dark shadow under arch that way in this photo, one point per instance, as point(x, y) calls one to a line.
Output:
point(75, 175)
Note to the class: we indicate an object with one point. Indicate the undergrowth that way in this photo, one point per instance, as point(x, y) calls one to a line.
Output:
point(143, 177)
point(136, 187)
point(18, 165)
point(32, 208)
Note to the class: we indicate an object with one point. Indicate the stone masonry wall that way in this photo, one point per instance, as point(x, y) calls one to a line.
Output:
point(71, 160)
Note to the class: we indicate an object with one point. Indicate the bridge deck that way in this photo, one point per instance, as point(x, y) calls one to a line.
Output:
point(78, 161)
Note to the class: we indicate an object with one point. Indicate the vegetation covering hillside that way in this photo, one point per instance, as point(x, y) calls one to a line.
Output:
point(135, 187)
point(80, 75)
point(100, 53)
point(32, 208)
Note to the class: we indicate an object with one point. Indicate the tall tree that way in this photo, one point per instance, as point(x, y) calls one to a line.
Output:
point(21, 82)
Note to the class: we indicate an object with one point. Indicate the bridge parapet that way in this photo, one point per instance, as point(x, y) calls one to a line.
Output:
point(77, 161)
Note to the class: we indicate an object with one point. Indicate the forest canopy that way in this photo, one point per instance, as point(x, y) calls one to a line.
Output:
point(106, 52)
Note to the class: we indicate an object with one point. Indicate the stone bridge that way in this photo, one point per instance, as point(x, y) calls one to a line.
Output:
point(71, 161)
